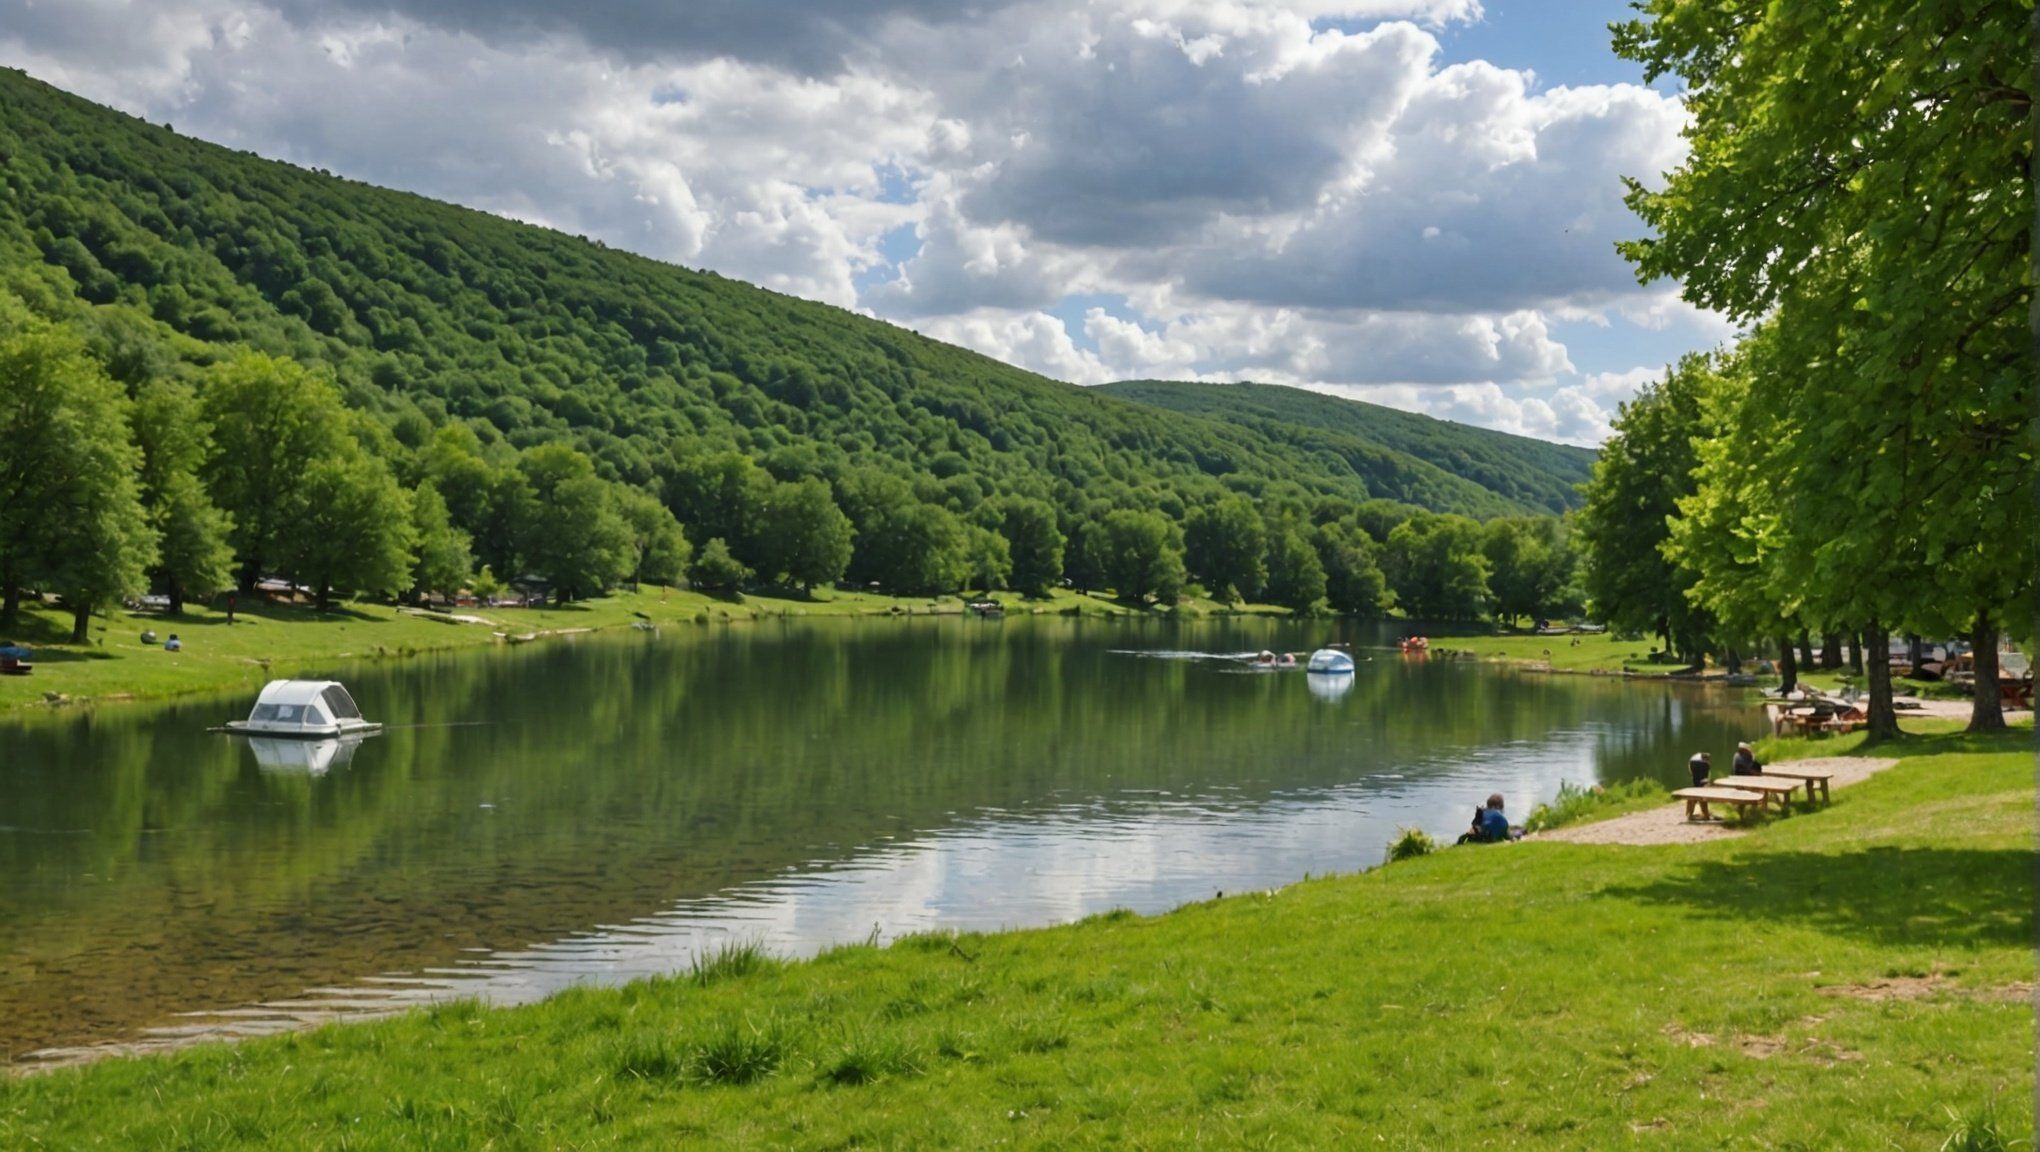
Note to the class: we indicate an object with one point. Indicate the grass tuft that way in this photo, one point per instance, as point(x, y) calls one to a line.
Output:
point(1409, 844)
point(1979, 1131)
point(741, 1052)
point(867, 1056)
point(728, 961)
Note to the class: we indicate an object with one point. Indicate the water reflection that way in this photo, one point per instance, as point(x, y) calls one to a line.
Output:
point(311, 757)
point(802, 783)
point(1329, 686)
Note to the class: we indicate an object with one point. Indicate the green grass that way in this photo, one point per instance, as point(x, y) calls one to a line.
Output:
point(1577, 802)
point(1854, 977)
point(1602, 652)
point(268, 641)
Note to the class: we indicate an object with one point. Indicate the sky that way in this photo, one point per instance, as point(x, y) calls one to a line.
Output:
point(1413, 202)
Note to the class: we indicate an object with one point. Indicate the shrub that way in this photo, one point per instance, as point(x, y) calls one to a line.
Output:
point(1410, 843)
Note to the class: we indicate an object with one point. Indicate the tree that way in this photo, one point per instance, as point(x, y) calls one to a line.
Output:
point(1087, 548)
point(1529, 565)
point(1435, 565)
point(989, 558)
point(1143, 556)
point(658, 546)
point(1226, 546)
point(444, 558)
point(805, 538)
point(1354, 585)
point(725, 496)
point(1645, 469)
point(1859, 177)
point(715, 570)
point(194, 556)
point(352, 531)
point(918, 550)
point(1034, 543)
point(572, 536)
point(271, 421)
point(71, 517)
point(1296, 577)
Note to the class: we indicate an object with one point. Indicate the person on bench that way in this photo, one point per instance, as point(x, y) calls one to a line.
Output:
point(1701, 766)
point(1490, 824)
point(1745, 762)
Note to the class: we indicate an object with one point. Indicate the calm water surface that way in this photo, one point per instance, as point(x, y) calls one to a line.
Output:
point(599, 809)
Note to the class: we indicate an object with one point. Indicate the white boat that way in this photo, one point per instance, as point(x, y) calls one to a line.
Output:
point(1329, 661)
point(304, 710)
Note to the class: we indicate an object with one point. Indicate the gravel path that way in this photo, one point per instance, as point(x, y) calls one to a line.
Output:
point(1669, 825)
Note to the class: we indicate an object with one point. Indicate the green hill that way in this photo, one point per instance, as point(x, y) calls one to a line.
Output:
point(1535, 473)
point(168, 248)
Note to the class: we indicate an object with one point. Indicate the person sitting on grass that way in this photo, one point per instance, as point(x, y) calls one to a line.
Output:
point(1490, 824)
point(1701, 766)
point(1745, 762)
point(173, 644)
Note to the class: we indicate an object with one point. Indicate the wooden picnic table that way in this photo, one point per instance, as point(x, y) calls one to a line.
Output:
point(1700, 798)
point(1816, 782)
point(1773, 788)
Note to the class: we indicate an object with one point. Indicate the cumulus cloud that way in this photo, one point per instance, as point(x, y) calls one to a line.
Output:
point(1298, 191)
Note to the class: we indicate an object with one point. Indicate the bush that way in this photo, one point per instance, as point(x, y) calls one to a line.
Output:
point(1409, 844)
point(715, 570)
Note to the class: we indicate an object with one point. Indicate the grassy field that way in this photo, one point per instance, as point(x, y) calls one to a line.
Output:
point(1595, 653)
point(267, 641)
point(1856, 977)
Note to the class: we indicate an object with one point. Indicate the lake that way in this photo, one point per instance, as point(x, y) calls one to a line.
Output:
point(598, 808)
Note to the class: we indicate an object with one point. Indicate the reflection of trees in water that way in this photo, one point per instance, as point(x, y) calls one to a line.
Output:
point(628, 772)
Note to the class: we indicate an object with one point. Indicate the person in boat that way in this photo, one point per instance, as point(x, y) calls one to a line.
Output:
point(1701, 766)
point(1490, 824)
point(173, 644)
point(1266, 659)
point(1745, 762)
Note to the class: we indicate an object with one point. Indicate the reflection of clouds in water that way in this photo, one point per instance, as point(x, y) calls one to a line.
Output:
point(1148, 851)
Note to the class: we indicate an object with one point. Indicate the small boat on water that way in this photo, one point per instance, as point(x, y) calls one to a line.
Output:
point(1416, 644)
point(303, 710)
point(1329, 662)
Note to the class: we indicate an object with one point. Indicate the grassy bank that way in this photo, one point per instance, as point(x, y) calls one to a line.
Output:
point(1603, 653)
point(1856, 977)
point(268, 641)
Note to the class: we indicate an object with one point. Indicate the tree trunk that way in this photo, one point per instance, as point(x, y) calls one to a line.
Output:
point(1856, 654)
point(1805, 651)
point(176, 597)
point(1987, 713)
point(1830, 651)
point(1788, 666)
point(1915, 650)
point(10, 606)
point(1734, 659)
point(1883, 717)
point(81, 619)
point(250, 572)
point(324, 599)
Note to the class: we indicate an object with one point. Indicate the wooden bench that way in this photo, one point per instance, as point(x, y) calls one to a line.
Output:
point(1816, 782)
point(1772, 788)
point(1700, 798)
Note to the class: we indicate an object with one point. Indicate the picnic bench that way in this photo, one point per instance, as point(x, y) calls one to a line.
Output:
point(1700, 798)
point(1816, 782)
point(1770, 788)
point(14, 661)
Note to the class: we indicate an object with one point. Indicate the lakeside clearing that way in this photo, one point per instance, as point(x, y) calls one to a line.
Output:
point(268, 641)
point(1856, 976)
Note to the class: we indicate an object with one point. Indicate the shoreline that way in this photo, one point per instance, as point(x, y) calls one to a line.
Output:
point(1006, 1030)
point(271, 641)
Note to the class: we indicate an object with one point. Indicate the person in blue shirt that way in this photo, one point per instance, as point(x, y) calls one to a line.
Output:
point(1490, 824)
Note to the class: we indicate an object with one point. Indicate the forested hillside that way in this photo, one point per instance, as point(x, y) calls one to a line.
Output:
point(1535, 473)
point(374, 392)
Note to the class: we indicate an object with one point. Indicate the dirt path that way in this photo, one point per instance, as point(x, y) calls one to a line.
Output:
point(1668, 825)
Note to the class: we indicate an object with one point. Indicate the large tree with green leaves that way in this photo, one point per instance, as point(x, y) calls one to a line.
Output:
point(195, 557)
point(1435, 564)
point(71, 518)
point(352, 530)
point(1225, 545)
point(1034, 543)
point(272, 419)
point(1860, 175)
point(573, 536)
point(1645, 469)
point(1354, 584)
point(1143, 556)
point(804, 537)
